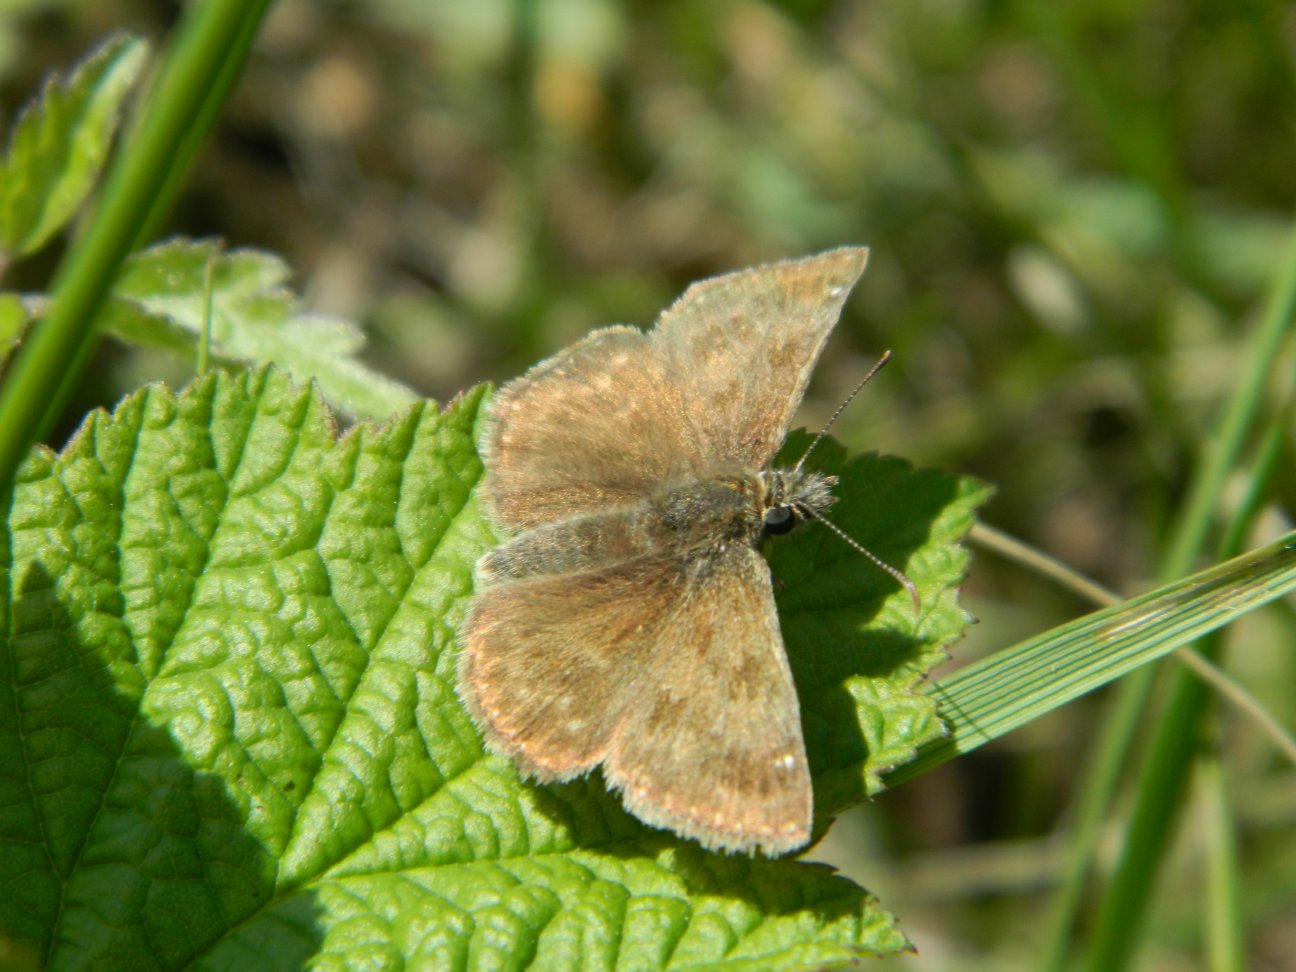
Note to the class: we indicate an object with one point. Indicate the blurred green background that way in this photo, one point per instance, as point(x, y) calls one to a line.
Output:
point(1075, 210)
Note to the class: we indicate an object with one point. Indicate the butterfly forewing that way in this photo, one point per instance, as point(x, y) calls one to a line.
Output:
point(744, 345)
point(622, 413)
point(583, 431)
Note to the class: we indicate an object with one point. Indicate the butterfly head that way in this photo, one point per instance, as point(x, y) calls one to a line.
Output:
point(794, 495)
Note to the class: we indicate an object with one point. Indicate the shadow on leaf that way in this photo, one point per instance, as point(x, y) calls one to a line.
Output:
point(124, 849)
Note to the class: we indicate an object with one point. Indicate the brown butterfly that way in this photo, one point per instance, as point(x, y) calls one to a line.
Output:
point(630, 620)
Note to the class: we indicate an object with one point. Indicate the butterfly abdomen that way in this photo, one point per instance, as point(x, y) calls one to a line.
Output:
point(572, 545)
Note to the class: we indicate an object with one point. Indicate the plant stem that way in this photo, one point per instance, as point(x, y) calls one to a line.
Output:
point(212, 41)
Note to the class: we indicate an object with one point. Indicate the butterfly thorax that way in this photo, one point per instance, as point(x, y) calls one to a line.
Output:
point(740, 507)
point(713, 512)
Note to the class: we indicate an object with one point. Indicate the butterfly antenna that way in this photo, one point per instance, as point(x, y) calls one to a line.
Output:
point(905, 582)
point(886, 356)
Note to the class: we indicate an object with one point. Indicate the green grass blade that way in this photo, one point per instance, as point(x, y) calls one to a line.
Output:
point(1223, 448)
point(1121, 724)
point(1225, 929)
point(1102, 776)
point(1158, 801)
point(1173, 745)
point(216, 88)
point(998, 694)
point(48, 364)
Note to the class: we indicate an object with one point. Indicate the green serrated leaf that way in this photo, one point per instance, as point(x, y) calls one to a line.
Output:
point(231, 734)
point(160, 297)
point(60, 143)
point(856, 645)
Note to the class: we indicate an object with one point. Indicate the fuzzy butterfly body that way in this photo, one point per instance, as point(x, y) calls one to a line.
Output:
point(629, 619)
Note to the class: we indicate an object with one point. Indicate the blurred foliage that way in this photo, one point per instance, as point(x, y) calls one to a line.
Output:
point(1074, 210)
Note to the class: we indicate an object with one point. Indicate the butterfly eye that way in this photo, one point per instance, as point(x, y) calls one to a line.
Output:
point(779, 519)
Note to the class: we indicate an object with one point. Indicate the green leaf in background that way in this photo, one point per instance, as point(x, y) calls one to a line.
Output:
point(231, 734)
point(60, 144)
point(160, 298)
point(1105, 229)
